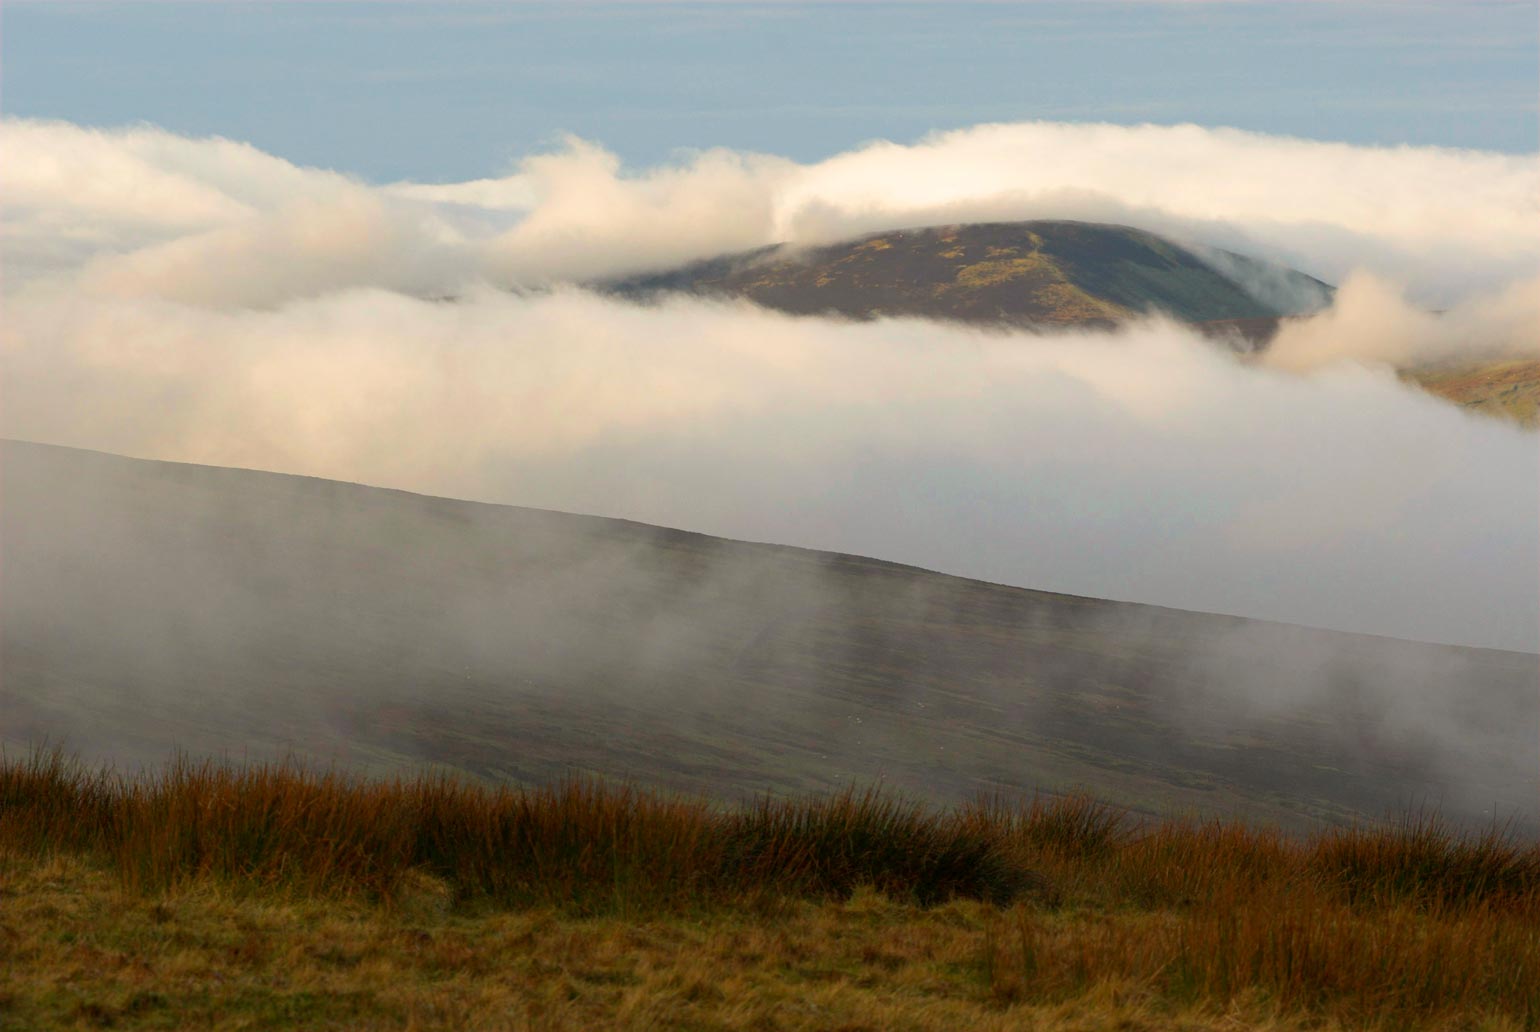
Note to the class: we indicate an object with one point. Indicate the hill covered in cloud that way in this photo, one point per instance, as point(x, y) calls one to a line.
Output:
point(199, 300)
point(1058, 275)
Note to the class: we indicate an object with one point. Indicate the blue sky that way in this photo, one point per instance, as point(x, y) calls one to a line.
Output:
point(440, 92)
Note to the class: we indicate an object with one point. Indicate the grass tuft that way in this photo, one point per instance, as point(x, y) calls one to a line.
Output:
point(1427, 864)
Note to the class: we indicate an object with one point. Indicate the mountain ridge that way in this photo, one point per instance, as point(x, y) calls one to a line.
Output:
point(1049, 273)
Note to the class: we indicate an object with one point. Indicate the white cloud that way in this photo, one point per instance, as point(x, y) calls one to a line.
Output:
point(588, 220)
point(68, 193)
point(1370, 321)
point(304, 249)
point(1444, 223)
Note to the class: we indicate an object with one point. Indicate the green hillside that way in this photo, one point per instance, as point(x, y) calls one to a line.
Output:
point(150, 606)
point(1049, 273)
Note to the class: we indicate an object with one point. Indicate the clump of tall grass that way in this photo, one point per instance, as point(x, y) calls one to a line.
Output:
point(1074, 827)
point(581, 844)
point(260, 826)
point(1393, 926)
point(578, 844)
point(1182, 863)
point(826, 847)
point(1428, 864)
point(591, 846)
point(1296, 948)
point(51, 801)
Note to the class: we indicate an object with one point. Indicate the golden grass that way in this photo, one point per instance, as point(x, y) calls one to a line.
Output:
point(1506, 389)
point(271, 897)
point(85, 955)
point(1058, 299)
point(992, 271)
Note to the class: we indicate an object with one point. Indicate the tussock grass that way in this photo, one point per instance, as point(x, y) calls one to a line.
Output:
point(1428, 864)
point(828, 847)
point(1407, 924)
point(581, 844)
point(1074, 827)
point(1301, 952)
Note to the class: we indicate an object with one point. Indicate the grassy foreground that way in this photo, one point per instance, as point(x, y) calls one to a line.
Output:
point(269, 897)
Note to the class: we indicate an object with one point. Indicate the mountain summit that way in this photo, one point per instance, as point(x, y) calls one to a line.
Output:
point(1043, 273)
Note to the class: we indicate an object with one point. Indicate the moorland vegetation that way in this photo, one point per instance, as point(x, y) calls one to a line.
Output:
point(279, 896)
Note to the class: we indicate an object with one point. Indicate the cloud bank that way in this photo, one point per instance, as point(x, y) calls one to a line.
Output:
point(199, 300)
point(1372, 322)
point(1444, 223)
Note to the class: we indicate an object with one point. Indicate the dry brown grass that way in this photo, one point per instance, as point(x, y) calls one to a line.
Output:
point(271, 897)
point(581, 844)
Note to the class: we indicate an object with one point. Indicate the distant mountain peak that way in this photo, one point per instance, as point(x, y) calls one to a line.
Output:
point(1051, 273)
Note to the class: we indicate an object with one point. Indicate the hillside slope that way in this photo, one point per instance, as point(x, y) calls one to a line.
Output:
point(1048, 273)
point(1504, 388)
point(148, 606)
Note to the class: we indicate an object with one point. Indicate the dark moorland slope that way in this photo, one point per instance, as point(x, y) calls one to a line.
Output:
point(152, 606)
